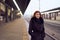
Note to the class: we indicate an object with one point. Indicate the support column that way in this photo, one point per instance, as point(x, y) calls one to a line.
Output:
point(46, 16)
point(50, 16)
point(6, 15)
point(57, 13)
point(55, 16)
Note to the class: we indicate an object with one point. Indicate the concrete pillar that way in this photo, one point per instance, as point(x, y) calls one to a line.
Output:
point(50, 16)
point(57, 13)
point(55, 16)
point(6, 15)
point(46, 16)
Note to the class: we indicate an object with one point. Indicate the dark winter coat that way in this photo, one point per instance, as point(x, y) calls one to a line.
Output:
point(36, 29)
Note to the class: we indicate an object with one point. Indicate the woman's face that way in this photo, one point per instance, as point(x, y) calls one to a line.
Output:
point(37, 15)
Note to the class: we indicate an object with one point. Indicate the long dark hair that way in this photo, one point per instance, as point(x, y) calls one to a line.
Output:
point(37, 12)
point(41, 21)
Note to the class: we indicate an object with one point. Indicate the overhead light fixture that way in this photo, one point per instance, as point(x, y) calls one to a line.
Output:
point(16, 5)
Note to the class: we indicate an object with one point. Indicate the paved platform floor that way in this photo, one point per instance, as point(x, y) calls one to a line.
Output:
point(15, 30)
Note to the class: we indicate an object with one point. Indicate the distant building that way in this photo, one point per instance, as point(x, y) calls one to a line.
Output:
point(52, 14)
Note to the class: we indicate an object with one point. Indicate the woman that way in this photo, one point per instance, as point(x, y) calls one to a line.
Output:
point(36, 27)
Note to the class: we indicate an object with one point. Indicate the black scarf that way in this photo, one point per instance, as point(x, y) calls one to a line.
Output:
point(39, 21)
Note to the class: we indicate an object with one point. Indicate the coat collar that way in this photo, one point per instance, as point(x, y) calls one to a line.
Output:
point(40, 20)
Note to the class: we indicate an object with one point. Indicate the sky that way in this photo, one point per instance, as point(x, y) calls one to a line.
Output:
point(43, 5)
point(49, 4)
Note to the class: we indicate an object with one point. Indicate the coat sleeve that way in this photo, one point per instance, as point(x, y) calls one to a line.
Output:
point(43, 31)
point(30, 28)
